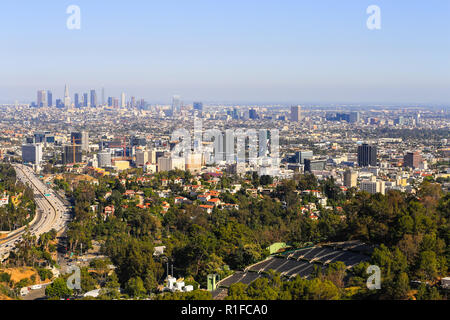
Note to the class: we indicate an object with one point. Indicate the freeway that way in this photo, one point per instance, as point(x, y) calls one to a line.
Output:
point(51, 213)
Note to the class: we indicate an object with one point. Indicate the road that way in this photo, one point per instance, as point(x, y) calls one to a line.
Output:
point(36, 294)
point(51, 213)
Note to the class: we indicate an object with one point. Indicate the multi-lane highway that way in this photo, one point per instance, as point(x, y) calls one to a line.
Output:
point(51, 213)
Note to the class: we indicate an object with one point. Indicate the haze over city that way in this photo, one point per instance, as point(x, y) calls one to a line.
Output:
point(233, 51)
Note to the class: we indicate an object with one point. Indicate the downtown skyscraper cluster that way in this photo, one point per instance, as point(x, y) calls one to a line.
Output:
point(45, 99)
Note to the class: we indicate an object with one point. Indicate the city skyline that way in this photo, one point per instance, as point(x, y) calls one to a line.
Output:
point(168, 101)
point(299, 52)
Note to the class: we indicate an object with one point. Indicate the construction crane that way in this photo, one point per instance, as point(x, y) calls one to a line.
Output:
point(124, 146)
point(74, 148)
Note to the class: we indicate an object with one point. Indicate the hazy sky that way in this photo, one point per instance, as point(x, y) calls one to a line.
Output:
point(235, 50)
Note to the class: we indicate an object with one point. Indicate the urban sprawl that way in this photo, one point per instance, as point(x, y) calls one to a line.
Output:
point(102, 184)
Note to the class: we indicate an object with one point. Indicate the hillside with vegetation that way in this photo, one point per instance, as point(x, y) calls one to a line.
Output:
point(410, 232)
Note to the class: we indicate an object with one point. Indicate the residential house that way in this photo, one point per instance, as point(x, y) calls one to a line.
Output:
point(207, 208)
point(108, 211)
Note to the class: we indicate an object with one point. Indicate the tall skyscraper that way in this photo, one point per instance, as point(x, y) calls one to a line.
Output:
point(59, 103)
point(123, 103)
point(103, 96)
point(86, 102)
point(226, 146)
point(354, 117)
point(236, 114)
point(142, 104)
point(77, 100)
point(85, 141)
point(296, 113)
point(110, 101)
point(93, 99)
point(418, 120)
point(49, 98)
point(42, 98)
point(229, 146)
point(66, 97)
point(176, 104)
point(367, 155)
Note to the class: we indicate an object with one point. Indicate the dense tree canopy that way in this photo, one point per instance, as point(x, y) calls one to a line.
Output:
point(411, 233)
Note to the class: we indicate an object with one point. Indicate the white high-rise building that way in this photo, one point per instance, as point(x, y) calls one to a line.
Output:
point(123, 103)
point(176, 104)
point(229, 153)
point(85, 141)
point(66, 97)
point(42, 98)
point(104, 159)
point(418, 120)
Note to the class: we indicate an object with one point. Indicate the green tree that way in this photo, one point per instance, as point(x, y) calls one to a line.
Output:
point(261, 290)
point(88, 283)
point(112, 287)
point(265, 180)
point(58, 289)
point(135, 287)
point(237, 292)
point(5, 277)
point(428, 265)
point(402, 287)
point(321, 290)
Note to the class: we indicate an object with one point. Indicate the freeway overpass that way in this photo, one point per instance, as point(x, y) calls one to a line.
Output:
point(51, 212)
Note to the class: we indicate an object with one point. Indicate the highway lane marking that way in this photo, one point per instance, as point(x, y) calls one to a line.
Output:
point(41, 224)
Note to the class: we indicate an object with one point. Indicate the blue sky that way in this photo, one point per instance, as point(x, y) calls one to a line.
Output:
point(235, 51)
